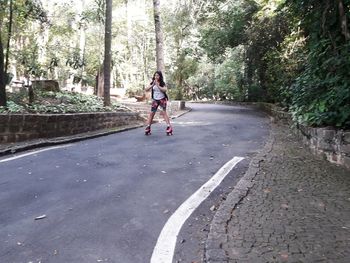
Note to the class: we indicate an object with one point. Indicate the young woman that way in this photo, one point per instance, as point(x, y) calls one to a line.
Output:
point(159, 99)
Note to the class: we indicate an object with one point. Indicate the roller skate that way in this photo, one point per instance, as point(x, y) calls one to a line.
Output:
point(148, 130)
point(169, 130)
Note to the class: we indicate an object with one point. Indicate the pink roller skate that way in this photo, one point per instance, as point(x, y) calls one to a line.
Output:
point(169, 130)
point(148, 130)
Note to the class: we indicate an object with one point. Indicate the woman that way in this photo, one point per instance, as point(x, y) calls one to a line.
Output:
point(159, 98)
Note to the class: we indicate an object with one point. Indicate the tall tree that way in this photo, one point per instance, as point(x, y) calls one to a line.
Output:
point(3, 100)
point(108, 53)
point(159, 36)
point(343, 19)
point(9, 37)
point(2, 75)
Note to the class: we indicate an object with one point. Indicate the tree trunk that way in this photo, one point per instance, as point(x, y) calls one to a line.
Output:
point(107, 60)
point(2, 75)
point(9, 37)
point(99, 83)
point(159, 36)
point(343, 20)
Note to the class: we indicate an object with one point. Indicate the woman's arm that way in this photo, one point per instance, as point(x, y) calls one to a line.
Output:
point(162, 89)
point(149, 87)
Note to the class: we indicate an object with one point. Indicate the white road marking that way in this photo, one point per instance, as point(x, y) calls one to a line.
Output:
point(35, 152)
point(165, 247)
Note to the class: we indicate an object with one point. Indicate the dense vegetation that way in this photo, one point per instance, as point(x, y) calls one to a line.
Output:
point(57, 102)
point(294, 53)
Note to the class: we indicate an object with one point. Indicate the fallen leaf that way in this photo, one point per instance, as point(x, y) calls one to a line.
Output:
point(164, 172)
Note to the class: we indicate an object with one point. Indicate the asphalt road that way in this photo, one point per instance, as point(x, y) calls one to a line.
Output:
point(107, 199)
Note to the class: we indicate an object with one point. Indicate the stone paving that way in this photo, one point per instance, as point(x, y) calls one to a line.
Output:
point(290, 207)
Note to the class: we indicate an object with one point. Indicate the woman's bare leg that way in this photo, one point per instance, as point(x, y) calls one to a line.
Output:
point(166, 118)
point(150, 118)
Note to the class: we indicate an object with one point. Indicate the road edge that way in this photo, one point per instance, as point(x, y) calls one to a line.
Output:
point(214, 253)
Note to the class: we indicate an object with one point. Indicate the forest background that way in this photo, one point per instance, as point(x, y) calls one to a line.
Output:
point(293, 53)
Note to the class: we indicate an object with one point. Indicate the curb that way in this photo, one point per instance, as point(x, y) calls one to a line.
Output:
point(74, 138)
point(214, 253)
point(187, 110)
point(66, 139)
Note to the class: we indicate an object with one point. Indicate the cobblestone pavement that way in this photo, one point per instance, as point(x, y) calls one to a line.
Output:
point(290, 207)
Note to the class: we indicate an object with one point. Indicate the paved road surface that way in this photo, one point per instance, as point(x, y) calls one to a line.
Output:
point(107, 199)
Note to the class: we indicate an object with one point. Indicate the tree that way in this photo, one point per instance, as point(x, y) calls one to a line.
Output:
point(9, 36)
point(108, 53)
point(320, 95)
point(3, 76)
point(3, 101)
point(159, 36)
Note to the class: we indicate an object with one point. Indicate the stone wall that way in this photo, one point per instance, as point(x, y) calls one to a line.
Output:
point(177, 105)
point(329, 143)
point(21, 127)
point(334, 145)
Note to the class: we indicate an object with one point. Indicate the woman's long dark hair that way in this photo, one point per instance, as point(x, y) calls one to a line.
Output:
point(161, 79)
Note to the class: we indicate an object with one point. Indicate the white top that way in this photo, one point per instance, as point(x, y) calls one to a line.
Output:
point(157, 93)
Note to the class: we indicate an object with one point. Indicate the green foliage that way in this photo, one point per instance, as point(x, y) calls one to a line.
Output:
point(12, 107)
point(296, 53)
point(226, 27)
point(28, 60)
point(229, 75)
point(57, 102)
point(203, 82)
point(185, 67)
point(284, 62)
point(321, 94)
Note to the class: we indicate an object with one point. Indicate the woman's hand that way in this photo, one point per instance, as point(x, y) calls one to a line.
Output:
point(149, 87)
point(162, 89)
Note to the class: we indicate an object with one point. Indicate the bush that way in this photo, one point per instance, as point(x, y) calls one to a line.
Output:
point(60, 102)
point(321, 94)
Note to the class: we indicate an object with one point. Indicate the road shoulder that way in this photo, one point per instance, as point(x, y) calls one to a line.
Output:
point(11, 148)
point(289, 206)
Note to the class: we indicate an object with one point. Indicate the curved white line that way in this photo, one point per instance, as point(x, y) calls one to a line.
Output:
point(35, 152)
point(165, 247)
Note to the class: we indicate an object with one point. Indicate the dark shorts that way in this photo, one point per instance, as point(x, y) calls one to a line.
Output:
point(157, 103)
